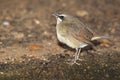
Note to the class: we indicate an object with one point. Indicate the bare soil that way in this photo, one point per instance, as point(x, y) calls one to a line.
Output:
point(29, 49)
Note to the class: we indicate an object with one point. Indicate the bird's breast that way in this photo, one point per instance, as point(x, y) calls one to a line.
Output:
point(60, 35)
point(68, 39)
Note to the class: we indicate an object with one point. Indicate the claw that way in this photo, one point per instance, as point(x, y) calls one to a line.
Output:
point(73, 61)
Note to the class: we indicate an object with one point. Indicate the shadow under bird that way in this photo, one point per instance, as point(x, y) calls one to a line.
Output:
point(75, 34)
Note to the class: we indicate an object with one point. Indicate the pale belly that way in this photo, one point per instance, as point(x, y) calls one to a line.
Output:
point(71, 42)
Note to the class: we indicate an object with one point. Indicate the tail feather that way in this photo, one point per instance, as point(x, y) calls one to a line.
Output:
point(100, 37)
point(104, 40)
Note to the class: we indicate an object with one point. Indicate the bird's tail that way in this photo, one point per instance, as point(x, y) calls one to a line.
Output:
point(100, 37)
point(104, 40)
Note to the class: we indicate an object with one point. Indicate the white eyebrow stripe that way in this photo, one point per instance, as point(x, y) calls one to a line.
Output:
point(63, 15)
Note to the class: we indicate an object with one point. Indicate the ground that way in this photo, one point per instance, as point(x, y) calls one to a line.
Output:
point(29, 49)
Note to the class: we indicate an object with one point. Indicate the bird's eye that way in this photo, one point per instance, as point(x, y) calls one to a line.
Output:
point(61, 17)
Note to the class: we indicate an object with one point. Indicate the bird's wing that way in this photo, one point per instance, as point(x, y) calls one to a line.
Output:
point(80, 32)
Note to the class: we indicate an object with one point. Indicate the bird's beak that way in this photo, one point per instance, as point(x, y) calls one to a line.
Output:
point(55, 15)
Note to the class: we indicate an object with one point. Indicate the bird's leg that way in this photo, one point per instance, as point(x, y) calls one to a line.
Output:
point(76, 56)
point(78, 53)
point(78, 50)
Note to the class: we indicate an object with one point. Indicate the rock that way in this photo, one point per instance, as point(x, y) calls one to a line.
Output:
point(18, 35)
point(6, 23)
point(81, 13)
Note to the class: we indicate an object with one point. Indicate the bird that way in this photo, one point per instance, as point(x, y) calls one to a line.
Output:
point(74, 33)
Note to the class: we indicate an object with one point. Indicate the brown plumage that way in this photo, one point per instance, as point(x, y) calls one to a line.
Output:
point(72, 32)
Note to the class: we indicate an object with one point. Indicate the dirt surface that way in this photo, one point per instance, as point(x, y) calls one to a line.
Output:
point(29, 49)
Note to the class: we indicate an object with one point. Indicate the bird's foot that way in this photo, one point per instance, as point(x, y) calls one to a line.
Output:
point(73, 61)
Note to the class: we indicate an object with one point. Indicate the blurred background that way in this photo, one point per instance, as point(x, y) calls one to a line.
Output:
point(27, 30)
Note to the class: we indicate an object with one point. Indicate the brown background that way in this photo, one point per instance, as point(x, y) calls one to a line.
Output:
point(29, 48)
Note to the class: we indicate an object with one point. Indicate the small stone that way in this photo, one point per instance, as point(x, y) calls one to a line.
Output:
point(1, 72)
point(64, 4)
point(34, 47)
point(1, 43)
point(36, 21)
point(18, 35)
point(82, 13)
point(6, 23)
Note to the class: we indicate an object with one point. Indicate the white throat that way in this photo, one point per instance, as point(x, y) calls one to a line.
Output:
point(59, 20)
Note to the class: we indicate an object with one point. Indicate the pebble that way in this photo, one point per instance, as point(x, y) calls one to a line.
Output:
point(18, 35)
point(81, 13)
point(36, 21)
point(1, 72)
point(6, 23)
